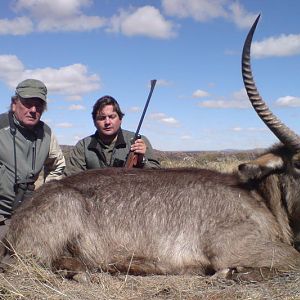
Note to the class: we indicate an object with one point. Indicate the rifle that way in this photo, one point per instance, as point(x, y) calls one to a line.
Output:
point(131, 159)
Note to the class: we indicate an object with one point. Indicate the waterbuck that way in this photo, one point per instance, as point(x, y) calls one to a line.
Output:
point(172, 221)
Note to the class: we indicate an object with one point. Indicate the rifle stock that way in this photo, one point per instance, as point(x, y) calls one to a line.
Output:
point(132, 158)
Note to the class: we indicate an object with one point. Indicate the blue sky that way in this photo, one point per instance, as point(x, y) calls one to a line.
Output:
point(84, 49)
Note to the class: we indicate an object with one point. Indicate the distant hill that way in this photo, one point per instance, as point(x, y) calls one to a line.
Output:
point(185, 155)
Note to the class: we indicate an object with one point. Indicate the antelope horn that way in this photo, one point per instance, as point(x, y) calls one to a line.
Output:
point(282, 132)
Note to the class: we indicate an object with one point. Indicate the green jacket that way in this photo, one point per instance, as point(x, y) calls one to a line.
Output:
point(36, 149)
point(89, 154)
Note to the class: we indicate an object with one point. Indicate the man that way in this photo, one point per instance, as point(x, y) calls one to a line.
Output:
point(110, 144)
point(27, 146)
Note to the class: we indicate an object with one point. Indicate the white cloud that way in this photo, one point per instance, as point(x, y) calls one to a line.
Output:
point(51, 8)
point(57, 15)
point(11, 69)
point(68, 15)
point(163, 118)
point(238, 99)
point(240, 16)
point(64, 125)
point(169, 120)
point(200, 94)
point(76, 107)
point(289, 101)
point(79, 23)
point(71, 81)
point(200, 10)
point(143, 21)
point(206, 10)
point(257, 129)
point(250, 129)
point(73, 98)
point(283, 45)
point(157, 116)
point(17, 26)
point(237, 129)
point(163, 82)
point(223, 104)
point(134, 109)
point(241, 95)
point(185, 137)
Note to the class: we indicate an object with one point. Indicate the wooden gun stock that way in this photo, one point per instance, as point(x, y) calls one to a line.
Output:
point(131, 160)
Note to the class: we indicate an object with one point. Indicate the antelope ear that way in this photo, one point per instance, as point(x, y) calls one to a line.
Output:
point(260, 167)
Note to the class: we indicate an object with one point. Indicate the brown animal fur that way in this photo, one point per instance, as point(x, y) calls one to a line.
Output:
point(172, 221)
point(275, 176)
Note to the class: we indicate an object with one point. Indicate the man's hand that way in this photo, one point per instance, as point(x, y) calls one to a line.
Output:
point(139, 147)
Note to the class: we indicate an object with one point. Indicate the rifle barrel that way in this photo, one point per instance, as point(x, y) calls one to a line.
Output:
point(153, 82)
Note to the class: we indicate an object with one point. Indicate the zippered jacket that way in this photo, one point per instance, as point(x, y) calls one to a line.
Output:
point(89, 154)
point(36, 150)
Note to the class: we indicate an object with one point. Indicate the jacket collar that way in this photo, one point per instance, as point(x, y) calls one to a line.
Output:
point(94, 143)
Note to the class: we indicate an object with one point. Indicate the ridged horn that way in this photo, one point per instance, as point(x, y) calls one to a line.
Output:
point(282, 132)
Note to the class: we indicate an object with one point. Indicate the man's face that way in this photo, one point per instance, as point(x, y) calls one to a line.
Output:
point(28, 111)
point(107, 121)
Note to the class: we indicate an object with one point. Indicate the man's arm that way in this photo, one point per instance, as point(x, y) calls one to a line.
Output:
point(76, 160)
point(55, 164)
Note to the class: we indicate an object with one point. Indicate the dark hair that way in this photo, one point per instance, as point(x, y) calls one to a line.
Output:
point(106, 100)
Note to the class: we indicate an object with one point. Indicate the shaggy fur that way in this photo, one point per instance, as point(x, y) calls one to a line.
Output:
point(172, 221)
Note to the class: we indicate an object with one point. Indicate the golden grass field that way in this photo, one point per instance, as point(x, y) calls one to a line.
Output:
point(27, 280)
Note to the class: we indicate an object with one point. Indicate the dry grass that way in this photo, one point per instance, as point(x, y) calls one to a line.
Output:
point(26, 280)
point(225, 161)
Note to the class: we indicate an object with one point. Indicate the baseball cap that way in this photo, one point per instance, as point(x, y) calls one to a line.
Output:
point(32, 88)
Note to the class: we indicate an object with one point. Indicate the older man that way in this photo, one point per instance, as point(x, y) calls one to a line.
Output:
point(27, 145)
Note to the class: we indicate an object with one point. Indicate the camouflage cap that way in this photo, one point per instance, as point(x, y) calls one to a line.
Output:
point(32, 88)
